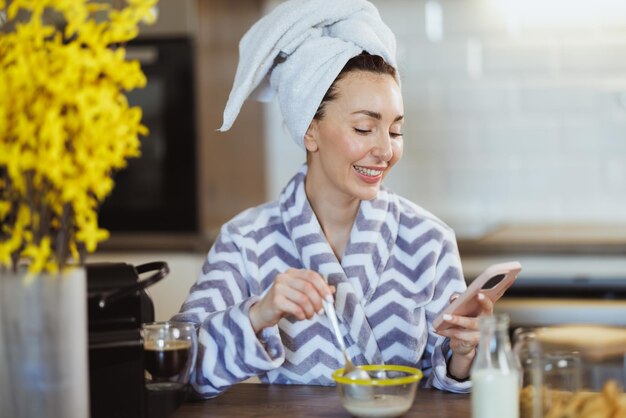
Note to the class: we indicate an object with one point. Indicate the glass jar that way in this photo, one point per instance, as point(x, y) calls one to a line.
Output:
point(528, 352)
point(562, 379)
point(495, 372)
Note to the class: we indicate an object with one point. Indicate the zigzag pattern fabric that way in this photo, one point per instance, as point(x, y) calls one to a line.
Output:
point(399, 269)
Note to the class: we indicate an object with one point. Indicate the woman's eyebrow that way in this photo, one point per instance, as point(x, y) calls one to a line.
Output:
point(375, 115)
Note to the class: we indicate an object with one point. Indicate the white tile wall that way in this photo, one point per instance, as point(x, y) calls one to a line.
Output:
point(504, 123)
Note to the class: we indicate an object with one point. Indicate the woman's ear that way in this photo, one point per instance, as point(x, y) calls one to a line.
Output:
point(310, 137)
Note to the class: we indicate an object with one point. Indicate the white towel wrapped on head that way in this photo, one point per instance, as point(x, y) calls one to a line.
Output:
point(298, 50)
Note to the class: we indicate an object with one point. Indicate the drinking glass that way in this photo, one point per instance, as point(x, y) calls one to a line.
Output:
point(562, 378)
point(170, 350)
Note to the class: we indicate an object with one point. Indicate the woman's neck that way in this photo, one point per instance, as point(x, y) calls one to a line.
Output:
point(335, 212)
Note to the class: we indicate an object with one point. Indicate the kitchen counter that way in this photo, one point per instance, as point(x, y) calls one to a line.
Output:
point(535, 312)
point(556, 289)
point(517, 239)
point(546, 239)
point(552, 266)
point(137, 242)
point(257, 400)
point(554, 255)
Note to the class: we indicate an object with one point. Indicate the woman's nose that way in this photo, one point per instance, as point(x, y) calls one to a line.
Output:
point(382, 149)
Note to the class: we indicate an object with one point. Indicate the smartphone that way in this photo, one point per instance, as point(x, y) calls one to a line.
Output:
point(492, 282)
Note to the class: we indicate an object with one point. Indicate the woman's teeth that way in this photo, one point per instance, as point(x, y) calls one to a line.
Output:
point(368, 171)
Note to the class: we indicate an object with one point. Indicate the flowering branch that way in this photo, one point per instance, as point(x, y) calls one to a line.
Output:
point(65, 124)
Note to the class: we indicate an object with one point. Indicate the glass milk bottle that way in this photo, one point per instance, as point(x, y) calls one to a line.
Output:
point(495, 372)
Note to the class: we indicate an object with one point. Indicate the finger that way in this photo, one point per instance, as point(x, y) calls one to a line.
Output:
point(310, 290)
point(319, 282)
point(291, 290)
point(465, 322)
point(321, 288)
point(454, 297)
point(287, 307)
point(466, 336)
point(486, 304)
point(299, 280)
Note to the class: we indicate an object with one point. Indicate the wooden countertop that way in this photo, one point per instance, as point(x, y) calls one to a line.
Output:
point(558, 234)
point(552, 266)
point(143, 242)
point(257, 400)
point(547, 239)
point(572, 239)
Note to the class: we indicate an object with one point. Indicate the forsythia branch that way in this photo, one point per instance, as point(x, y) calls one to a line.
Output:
point(65, 124)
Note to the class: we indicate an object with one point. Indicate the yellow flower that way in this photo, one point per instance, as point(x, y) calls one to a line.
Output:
point(91, 235)
point(65, 124)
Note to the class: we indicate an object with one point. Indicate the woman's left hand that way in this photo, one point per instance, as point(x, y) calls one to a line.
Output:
point(464, 335)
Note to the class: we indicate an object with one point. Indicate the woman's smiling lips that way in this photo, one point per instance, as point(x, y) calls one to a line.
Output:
point(369, 174)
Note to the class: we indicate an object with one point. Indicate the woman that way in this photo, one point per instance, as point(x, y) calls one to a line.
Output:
point(335, 232)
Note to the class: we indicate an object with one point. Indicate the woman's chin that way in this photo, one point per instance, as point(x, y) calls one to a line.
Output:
point(368, 193)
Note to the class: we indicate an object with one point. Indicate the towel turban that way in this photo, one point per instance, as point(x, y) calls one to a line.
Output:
point(297, 51)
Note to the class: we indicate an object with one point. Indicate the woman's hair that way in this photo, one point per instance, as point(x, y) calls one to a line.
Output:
point(363, 62)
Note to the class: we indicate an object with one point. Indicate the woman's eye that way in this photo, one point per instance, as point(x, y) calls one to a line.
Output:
point(395, 134)
point(362, 131)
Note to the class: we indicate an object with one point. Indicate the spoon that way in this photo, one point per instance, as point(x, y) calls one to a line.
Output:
point(350, 370)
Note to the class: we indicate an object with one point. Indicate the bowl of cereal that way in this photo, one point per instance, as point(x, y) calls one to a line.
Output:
point(389, 393)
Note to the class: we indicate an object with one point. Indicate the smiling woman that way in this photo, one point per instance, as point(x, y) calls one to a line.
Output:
point(335, 233)
point(352, 143)
point(361, 110)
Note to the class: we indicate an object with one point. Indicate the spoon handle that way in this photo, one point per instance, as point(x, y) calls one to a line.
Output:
point(332, 316)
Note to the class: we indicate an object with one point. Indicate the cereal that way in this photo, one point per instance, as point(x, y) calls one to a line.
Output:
point(609, 403)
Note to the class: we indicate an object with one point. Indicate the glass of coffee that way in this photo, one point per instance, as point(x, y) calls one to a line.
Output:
point(170, 350)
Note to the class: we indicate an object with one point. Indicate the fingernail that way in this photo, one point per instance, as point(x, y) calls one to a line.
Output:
point(321, 311)
point(447, 317)
point(329, 298)
point(481, 296)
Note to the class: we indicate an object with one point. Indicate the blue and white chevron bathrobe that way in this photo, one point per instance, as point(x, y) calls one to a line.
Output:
point(399, 269)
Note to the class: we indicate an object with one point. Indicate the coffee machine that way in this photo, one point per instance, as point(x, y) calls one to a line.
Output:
point(118, 305)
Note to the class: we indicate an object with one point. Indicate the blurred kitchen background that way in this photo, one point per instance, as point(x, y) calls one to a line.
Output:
point(515, 135)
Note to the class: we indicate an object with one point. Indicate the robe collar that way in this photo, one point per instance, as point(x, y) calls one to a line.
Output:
point(369, 247)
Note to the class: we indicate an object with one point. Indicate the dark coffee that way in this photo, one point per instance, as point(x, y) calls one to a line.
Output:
point(166, 360)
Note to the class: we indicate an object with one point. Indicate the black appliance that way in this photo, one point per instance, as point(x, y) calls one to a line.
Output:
point(117, 306)
point(157, 191)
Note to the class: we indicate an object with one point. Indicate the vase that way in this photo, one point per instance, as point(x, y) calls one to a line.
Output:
point(43, 345)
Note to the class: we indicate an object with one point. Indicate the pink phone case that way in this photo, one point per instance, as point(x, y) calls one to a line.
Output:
point(493, 282)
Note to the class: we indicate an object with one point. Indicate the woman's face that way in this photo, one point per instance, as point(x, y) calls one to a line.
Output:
point(358, 140)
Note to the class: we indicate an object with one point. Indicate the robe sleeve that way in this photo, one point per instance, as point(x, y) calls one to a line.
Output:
point(229, 351)
point(448, 280)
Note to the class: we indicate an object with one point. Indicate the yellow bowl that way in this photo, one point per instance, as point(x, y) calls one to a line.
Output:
point(386, 397)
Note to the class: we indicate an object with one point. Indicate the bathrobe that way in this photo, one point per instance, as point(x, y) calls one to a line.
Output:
point(399, 269)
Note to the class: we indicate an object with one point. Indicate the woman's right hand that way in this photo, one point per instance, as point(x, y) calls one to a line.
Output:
point(297, 293)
